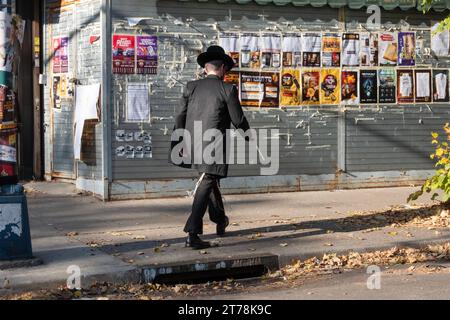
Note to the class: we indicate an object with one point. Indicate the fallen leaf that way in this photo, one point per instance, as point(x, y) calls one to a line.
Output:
point(203, 252)
point(392, 233)
point(71, 234)
point(328, 244)
point(283, 244)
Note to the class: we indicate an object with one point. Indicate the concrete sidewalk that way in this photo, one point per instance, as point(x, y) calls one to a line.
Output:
point(138, 240)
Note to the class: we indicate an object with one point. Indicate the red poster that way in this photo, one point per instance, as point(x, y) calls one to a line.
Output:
point(124, 54)
point(60, 54)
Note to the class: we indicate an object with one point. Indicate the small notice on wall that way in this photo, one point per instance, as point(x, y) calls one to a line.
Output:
point(147, 54)
point(290, 87)
point(386, 88)
point(260, 89)
point(331, 50)
point(138, 108)
point(368, 86)
point(123, 54)
point(388, 49)
point(311, 44)
point(440, 85)
point(311, 87)
point(405, 86)
point(330, 86)
point(406, 49)
point(423, 85)
point(61, 55)
point(349, 87)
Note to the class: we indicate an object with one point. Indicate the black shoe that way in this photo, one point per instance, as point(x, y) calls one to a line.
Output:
point(220, 228)
point(194, 242)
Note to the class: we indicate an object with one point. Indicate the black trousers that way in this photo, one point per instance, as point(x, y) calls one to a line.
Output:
point(207, 196)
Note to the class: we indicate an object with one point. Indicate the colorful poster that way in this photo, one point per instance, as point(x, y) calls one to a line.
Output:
point(406, 49)
point(422, 85)
point(440, 85)
point(8, 146)
point(311, 45)
point(349, 87)
point(233, 78)
point(311, 87)
point(386, 87)
point(290, 87)
point(350, 49)
point(61, 55)
point(250, 51)
point(388, 49)
point(368, 86)
point(292, 50)
point(405, 86)
point(368, 49)
point(147, 54)
point(330, 86)
point(270, 50)
point(123, 54)
point(331, 50)
point(230, 43)
point(260, 89)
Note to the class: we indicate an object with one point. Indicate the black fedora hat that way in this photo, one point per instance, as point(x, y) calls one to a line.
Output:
point(215, 53)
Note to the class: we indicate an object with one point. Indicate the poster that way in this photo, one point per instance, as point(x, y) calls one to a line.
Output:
point(311, 45)
point(61, 55)
point(250, 51)
point(406, 49)
point(405, 86)
point(56, 92)
point(138, 106)
point(368, 86)
point(292, 50)
point(230, 43)
point(260, 89)
point(290, 87)
point(440, 85)
point(270, 50)
point(387, 49)
point(311, 87)
point(331, 50)
point(386, 87)
point(330, 86)
point(350, 49)
point(8, 151)
point(349, 87)
point(147, 54)
point(123, 54)
point(368, 56)
point(422, 85)
point(440, 43)
point(233, 78)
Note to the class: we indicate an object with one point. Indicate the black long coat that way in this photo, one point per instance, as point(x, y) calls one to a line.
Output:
point(216, 104)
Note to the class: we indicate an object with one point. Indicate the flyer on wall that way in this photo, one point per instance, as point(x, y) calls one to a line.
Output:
point(230, 43)
point(147, 54)
point(368, 49)
point(232, 77)
point(312, 45)
point(368, 86)
point(330, 86)
point(290, 87)
point(440, 85)
point(61, 55)
point(260, 89)
point(422, 83)
point(386, 88)
point(250, 50)
point(311, 87)
point(387, 49)
point(405, 86)
point(292, 50)
point(440, 41)
point(349, 87)
point(270, 50)
point(331, 50)
point(406, 49)
point(350, 50)
point(123, 54)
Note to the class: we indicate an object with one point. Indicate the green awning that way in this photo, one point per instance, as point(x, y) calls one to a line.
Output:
point(438, 5)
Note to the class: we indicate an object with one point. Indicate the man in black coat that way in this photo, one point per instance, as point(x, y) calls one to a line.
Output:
point(209, 103)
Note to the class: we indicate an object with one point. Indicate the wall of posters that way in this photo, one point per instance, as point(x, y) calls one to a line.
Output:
point(290, 87)
point(368, 49)
point(387, 49)
point(292, 50)
point(147, 54)
point(311, 87)
point(331, 50)
point(387, 85)
point(230, 43)
point(60, 54)
point(406, 49)
point(330, 86)
point(349, 87)
point(260, 89)
point(271, 51)
point(311, 44)
point(368, 86)
point(350, 49)
point(422, 82)
point(250, 51)
point(405, 86)
point(440, 85)
point(123, 47)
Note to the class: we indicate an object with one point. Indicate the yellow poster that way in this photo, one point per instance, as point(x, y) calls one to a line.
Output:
point(330, 84)
point(290, 87)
